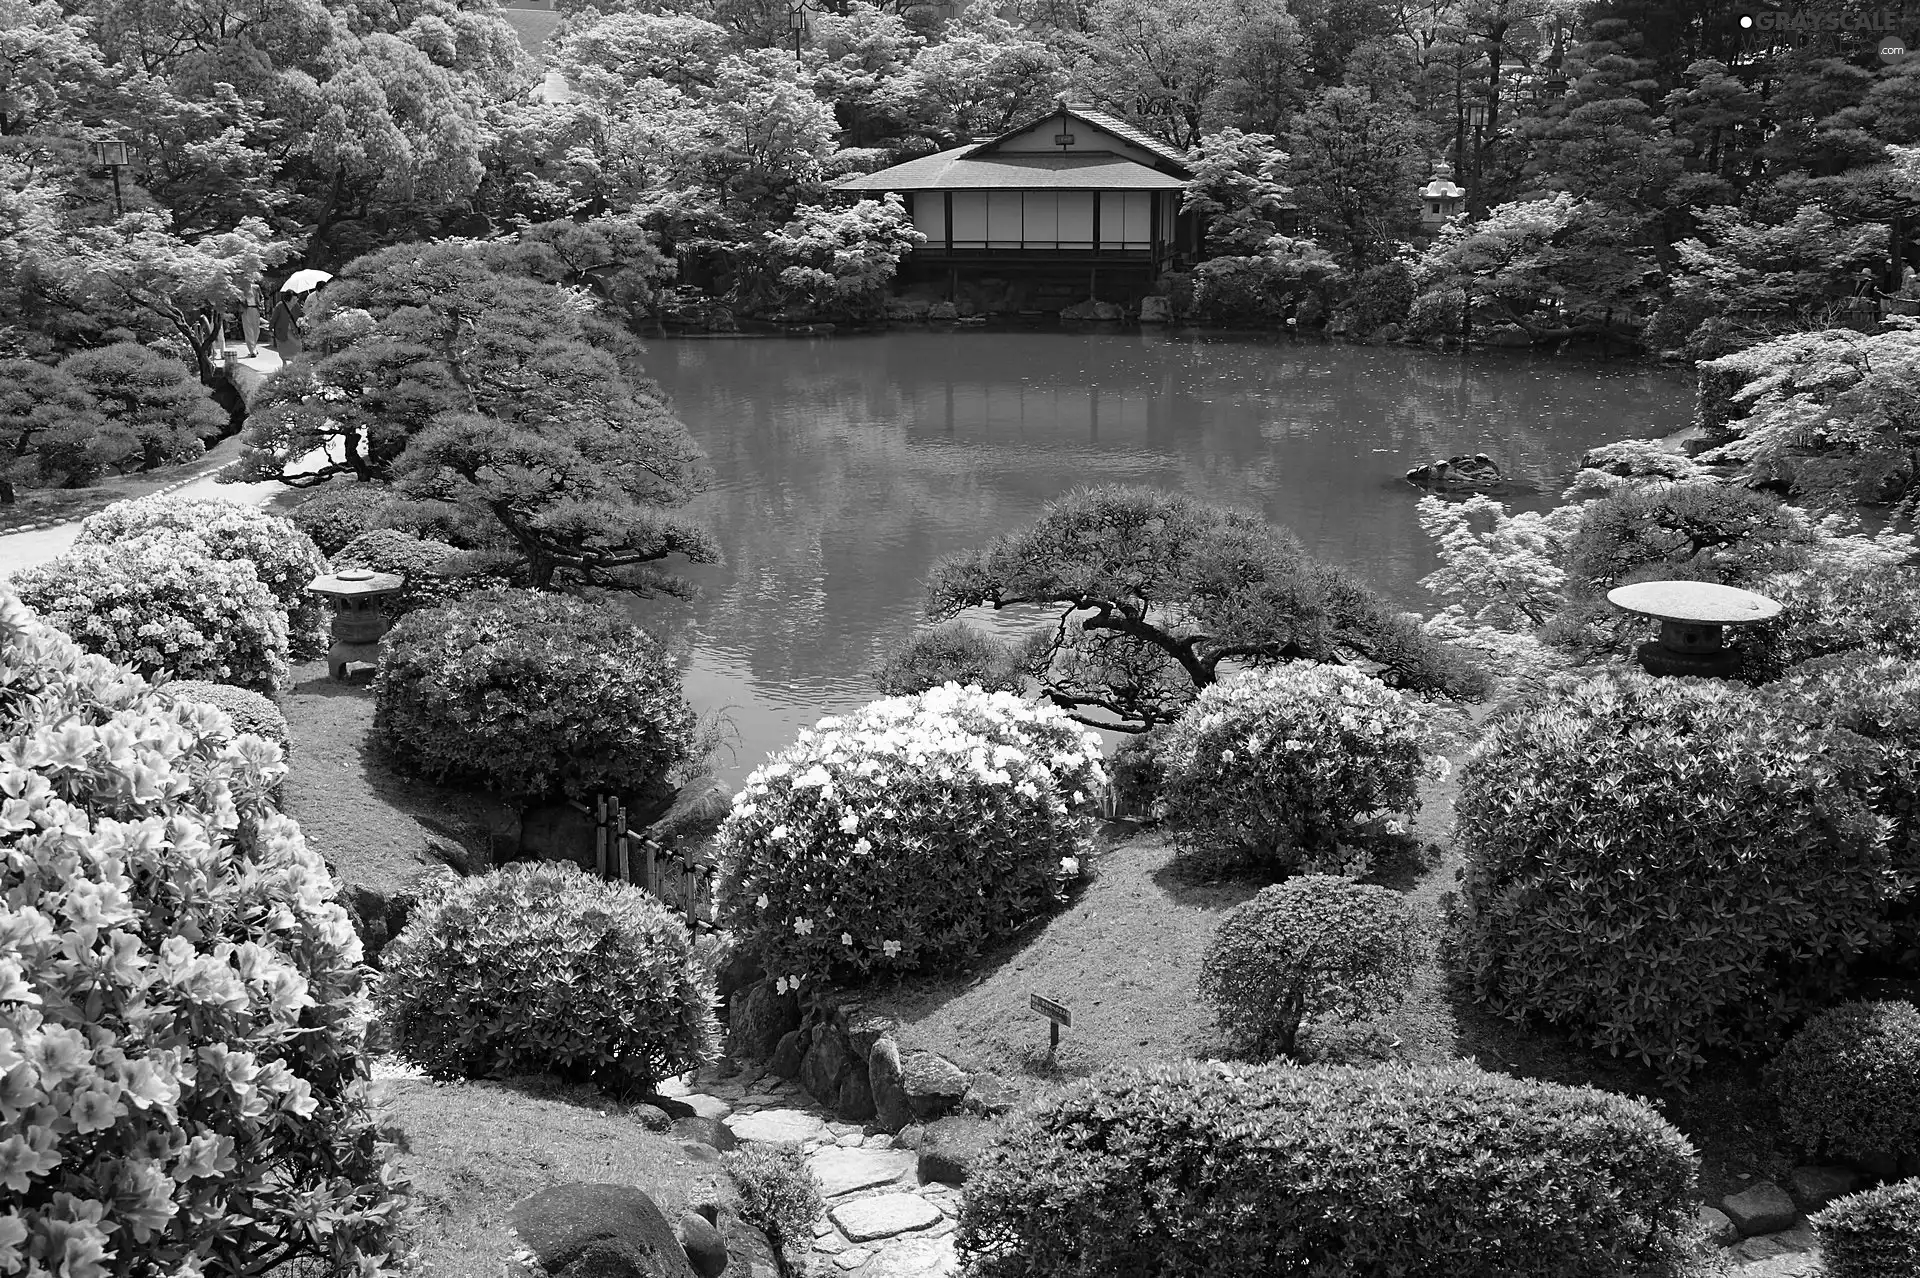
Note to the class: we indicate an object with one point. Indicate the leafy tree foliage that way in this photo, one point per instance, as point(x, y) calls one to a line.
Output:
point(1239, 186)
point(840, 259)
point(487, 391)
point(1356, 165)
point(984, 75)
point(1153, 591)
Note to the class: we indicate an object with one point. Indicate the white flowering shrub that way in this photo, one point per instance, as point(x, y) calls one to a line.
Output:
point(164, 605)
point(1282, 765)
point(913, 832)
point(283, 557)
point(182, 1078)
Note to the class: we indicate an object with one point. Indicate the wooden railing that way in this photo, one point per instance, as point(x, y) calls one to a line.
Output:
point(680, 881)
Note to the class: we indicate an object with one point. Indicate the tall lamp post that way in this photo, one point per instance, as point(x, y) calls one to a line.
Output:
point(109, 151)
point(797, 23)
point(1477, 120)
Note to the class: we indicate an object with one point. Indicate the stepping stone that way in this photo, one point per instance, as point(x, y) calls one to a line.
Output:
point(708, 1106)
point(921, 1256)
point(883, 1216)
point(1719, 1230)
point(852, 1259)
point(674, 1087)
point(1814, 1187)
point(832, 1244)
point(1760, 1209)
point(842, 1171)
point(881, 1141)
point(776, 1126)
point(852, 1140)
point(822, 1229)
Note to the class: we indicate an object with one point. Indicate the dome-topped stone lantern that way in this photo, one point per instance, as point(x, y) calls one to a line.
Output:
point(359, 622)
point(1441, 198)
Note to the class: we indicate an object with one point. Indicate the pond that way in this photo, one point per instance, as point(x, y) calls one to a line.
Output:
point(845, 466)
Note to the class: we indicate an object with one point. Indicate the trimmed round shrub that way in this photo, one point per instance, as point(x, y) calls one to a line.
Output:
point(1133, 769)
point(779, 1192)
point(913, 832)
point(1849, 1082)
point(1422, 1173)
point(249, 711)
point(416, 560)
point(952, 652)
point(1873, 1234)
point(163, 605)
point(284, 558)
point(1381, 295)
point(1312, 947)
point(1281, 766)
point(1825, 612)
point(542, 968)
point(1667, 866)
point(182, 1009)
point(341, 511)
point(533, 695)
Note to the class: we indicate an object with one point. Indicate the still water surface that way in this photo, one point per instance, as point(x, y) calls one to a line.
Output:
point(844, 467)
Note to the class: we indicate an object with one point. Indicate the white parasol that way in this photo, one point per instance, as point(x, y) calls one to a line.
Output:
point(303, 281)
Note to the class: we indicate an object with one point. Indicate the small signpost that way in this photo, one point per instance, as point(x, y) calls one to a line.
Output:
point(1056, 1014)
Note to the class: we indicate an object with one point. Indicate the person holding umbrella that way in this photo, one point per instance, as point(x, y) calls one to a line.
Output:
point(295, 294)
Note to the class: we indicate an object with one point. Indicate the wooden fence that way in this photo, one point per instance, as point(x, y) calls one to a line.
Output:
point(684, 883)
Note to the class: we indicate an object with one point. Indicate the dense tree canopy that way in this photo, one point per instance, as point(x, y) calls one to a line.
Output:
point(1151, 592)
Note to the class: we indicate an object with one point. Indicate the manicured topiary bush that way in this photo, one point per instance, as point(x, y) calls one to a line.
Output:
point(1281, 766)
point(779, 1192)
point(533, 695)
point(182, 1008)
point(249, 711)
point(283, 557)
point(952, 652)
point(1315, 946)
point(1667, 866)
point(542, 968)
point(341, 511)
point(1877, 697)
point(1849, 1081)
point(914, 831)
point(1423, 1173)
point(164, 606)
point(416, 560)
point(1873, 1234)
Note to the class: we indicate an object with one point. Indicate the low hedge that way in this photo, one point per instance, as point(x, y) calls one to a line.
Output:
point(249, 711)
point(1330, 1170)
point(542, 968)
point(1875, 1234)
point(1849, 1081)
point(534, 695)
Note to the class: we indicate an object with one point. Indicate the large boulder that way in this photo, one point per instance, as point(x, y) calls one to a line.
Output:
point(828, 1061)
point(864, 1029)
point(756, 1019)
point(1763, 1208)
point(1093, 309)
point(1461, 473)
point(787, 1054)
point(1156, 310)
point(891, 1108)
point(700, 1239)
point(932, 1083)
point(599, 1231)
point(950, 1147)
point(855, 1103)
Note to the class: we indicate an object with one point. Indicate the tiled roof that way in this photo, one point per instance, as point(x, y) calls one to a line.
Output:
point(1121, 129)
point(954, 170)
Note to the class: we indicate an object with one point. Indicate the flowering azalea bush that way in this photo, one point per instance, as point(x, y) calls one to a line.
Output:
point(912, 832)
point(1282, 765)
point(540, 967)
point(283, 557)
point(164, 605)
point(182, 1078)
point(532, 694)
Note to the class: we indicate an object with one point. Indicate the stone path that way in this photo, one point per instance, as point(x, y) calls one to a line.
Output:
point(880, 1220)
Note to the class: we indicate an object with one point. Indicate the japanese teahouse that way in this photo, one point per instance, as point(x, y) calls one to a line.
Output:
point(1077, 199)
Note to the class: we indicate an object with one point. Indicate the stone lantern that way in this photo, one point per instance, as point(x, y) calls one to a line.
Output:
point(359, 623)
point(1693, 617)
point(1441, 198)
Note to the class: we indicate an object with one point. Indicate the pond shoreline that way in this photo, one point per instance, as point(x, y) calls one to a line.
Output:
point(1014, 324)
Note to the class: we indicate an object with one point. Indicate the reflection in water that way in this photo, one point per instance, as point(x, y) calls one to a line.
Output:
point(845, 466)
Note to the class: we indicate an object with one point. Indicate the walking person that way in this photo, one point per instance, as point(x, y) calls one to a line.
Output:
point(282, 322)
point(250, 316)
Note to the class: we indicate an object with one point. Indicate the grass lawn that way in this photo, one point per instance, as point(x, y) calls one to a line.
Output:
point(472, 1150)
point(378, 829)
